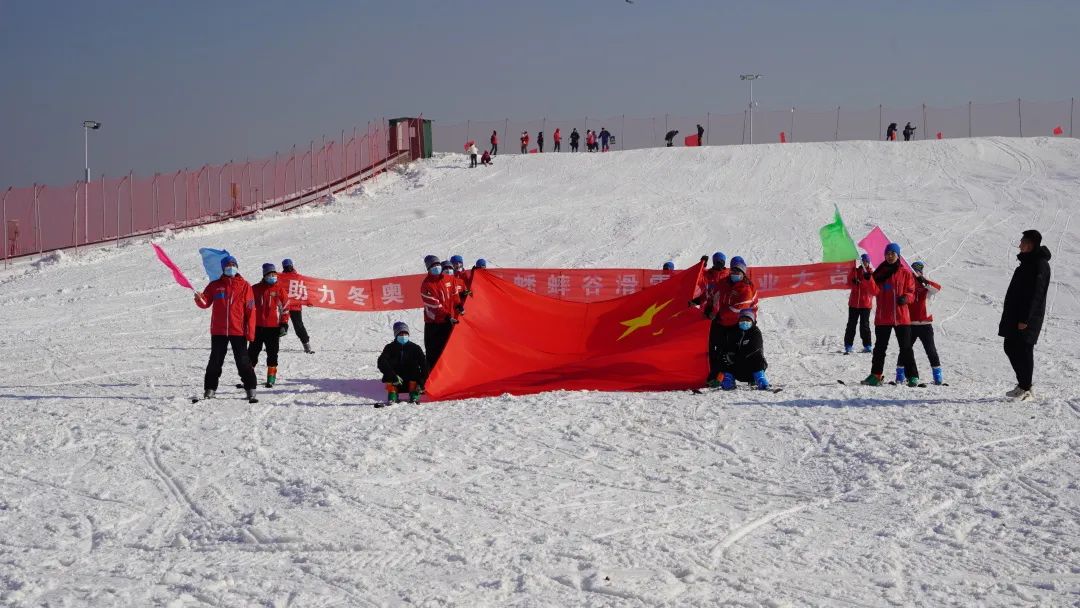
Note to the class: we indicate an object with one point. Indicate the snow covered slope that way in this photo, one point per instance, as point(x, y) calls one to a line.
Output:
point(116, 490)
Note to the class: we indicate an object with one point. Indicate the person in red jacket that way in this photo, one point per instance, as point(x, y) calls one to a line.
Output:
point(726, 302)
point(524, 143)
point(861, 300)
point(922, 322)
point(896, 292)
point(232, 324)
point(711, 277)
point(271, 321)
point(557, 138)
point(293, 283)
point(494, 143)
point(441, 297)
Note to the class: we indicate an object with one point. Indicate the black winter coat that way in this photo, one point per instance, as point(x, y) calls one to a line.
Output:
point(743, 353)
point(1025, 301)
point(405, 360)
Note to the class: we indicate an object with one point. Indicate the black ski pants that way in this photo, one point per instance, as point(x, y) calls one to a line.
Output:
point(494, 149)
point(472, 161)
point(1022, 358)
point(436, 335)
point(270, 337)
point(717, 335)
point(219, 345)
point(558, 147)
point(296, 317)
point(881, 347)
point(861, 316)
point(924, 334)
point(573, 147)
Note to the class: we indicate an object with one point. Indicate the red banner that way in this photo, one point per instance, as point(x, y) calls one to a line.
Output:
point(572, 285)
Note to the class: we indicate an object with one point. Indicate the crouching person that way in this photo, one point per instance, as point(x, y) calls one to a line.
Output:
point(404, 367)
point(743, 355)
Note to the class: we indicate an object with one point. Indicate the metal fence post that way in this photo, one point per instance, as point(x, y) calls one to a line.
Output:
point(37, 215)
point(75, 223)
point(791, 136)
point(7, 248)
point(836, 135)
point(1020, 116)
point(880, 123)
point(708, 126)
point(969, 120)
point(743, 127)
point(118, 187)
point(153, 185)
point(1072, 102)
point(104, 205)
point(926, 128)
point(131, 202)
point(622, 133)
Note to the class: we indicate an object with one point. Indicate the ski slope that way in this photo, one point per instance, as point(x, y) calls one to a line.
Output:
point(116, 490)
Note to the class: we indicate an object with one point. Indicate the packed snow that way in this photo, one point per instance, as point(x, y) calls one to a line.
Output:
point(116, 490)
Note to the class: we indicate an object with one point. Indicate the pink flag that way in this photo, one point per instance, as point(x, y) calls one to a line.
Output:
point(178, 276)
point(874, 245)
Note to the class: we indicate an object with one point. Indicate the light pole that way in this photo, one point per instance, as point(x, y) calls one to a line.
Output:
point(87, 126)
point(751, 78)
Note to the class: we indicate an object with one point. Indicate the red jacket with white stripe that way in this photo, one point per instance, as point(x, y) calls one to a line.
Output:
point(233, 307)
point(729, 298)
point(271, 304)
point(889, 310)
point(920, 313)
point(441, 295)
point(863, 288)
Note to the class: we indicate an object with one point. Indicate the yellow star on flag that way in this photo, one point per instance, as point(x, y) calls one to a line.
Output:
point(644, 320)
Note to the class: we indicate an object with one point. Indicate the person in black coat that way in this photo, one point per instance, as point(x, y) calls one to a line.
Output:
point(403, 365)
point(1025, 307)
point(890, 133)
point(540, 142)
point(574, 138)
point(670, 136)
point(700, 135)
point(908, 131)
point(743, 354)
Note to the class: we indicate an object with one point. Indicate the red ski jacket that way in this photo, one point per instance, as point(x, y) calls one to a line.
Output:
point(233, 307)
point(285, 279)
point(557, 136)
point(728, 299)
point(494, 139)
point(863, 288)
point(889, 310)
point(271, 304)
point(920, 314)
point(441, 296)
point(524, 140)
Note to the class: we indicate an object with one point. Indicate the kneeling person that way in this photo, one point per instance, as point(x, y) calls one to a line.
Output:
point(403, 365)
point(743, 354)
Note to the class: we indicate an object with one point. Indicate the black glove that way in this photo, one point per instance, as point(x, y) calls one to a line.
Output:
point(454, 321)
point(921, 279)
point(283, 329)
point(855, 280)
point(460, 309)
point(902, 300)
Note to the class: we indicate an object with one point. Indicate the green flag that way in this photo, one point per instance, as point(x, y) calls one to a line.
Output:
point(836, 243)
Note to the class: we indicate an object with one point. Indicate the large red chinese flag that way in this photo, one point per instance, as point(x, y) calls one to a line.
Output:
point(515, 341)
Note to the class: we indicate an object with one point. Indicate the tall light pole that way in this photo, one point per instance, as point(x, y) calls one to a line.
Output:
point(87, 126)
point(751, 78)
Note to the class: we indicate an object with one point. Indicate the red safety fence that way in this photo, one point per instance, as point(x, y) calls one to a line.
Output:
point(44, 218)
point(1016, 118)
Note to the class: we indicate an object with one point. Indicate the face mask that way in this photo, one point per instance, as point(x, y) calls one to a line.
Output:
point(402, 339)
point(459, 267)
point(270, 280)
point(745, 325)
point(434, 271)
point(229, 271)
point(448, 271)
point(735, 278)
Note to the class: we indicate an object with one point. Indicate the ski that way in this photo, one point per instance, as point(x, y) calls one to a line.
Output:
point(920, 385)
point(702, 391)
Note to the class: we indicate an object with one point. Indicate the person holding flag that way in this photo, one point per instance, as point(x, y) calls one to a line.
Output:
point(922, 322)
point(439, 292)
point(232, 324)
point(896, 291)
point(271, 321)
point(296, 304)
point(724, 306)
point(860, 302)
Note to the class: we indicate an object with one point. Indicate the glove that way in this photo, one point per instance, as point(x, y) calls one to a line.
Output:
point(283, 329)
point(459, 309)
point(921, 279)
point(454, 321)
point(398, 381)
point(467, 293)
point(902, 300)
point(856, 280)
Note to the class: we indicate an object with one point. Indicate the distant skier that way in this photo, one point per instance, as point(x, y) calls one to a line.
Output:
point(723, 306)
point(860, 302)
point(908, 132)
point(742, 354)
point(441, 297)
point(670, 137)
point(590, 140)
point(556, 137)
point(485, 159)
point(896, 291)
point(604, 137)
point(288, 277)
point(404, 367)
point(1024, 309)
point(700, 135)
point(271, 321)
point(494, 143)
point(472, 151)
point(540, 142)
point(232, 324)
point(890, 133)
point(922, 322)
point(524, 142)
point(575, 137)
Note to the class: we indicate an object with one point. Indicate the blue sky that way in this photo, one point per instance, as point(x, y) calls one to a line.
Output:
point(185, 83)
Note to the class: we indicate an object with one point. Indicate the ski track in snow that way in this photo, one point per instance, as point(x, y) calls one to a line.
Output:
point(116, 490)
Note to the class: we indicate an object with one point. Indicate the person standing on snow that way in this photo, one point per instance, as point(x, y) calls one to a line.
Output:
point(700, 135)
point(232, 324)
point(890, 133)
point(404, 367)
point(540, 142)
point(296, 314)
point(590, 140)
point(557, 138)
point(908, 132)
point(670, 137)
point(896, 291)
point(524, 142)
point(604, 137)
point(271, 321)
point(860, 302)
point(1024, 310)
point(723, 307)
point(473, 151)
point(922, 322)
point(494, 143)
point(742, 354)
point(575, 137)
point(441, 298)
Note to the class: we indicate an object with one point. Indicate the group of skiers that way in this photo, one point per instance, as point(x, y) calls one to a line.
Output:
point(594, 142)
point(890, 132)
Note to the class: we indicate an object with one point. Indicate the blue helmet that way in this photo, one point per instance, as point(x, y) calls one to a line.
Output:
point(865, 257)
point(457, 259)
point(893, 247)
point(268, 268)
point(719, 258)
point(481, 263)
point(737, 263)
point(669, 265)
point(229, 261)
point(918, 266)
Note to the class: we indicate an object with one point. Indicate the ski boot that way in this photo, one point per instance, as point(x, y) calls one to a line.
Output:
point(251, 396)
point(209, 394)
point(939, 378)
point(868, 348)
point(849, 348)
point(873, 380)
point(1026, 395)
point(712, 383)
point(1015, 392)
point(760, 381)
point(728, 383)
point(913, 381)
point(307, 348)
point(901, 376)
point(271, 377)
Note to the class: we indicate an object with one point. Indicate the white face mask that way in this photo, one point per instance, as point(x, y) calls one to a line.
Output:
point(448, 271)
point(229, 271)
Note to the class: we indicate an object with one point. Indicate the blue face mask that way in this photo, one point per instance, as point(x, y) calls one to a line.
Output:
point(448, 271)
point(229, 271)
point(402, 340)
point(435, 271)
point(736, 277)
point(270, 280)
point(745, 325)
